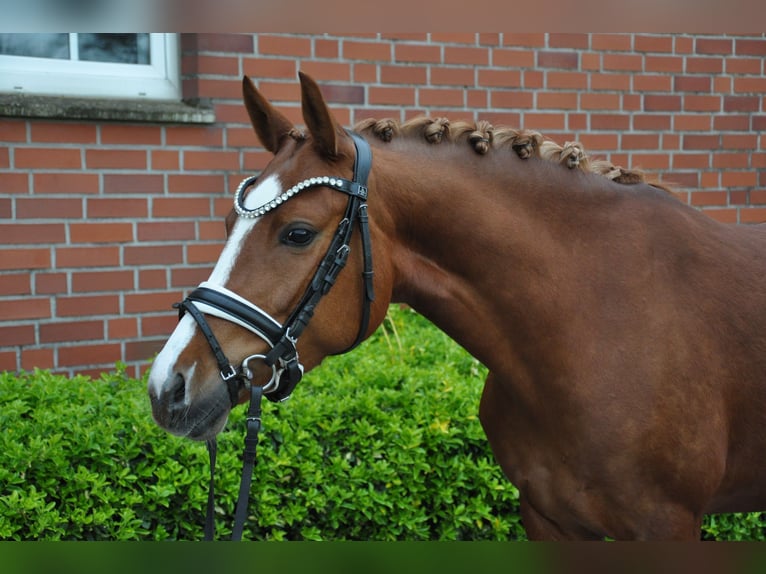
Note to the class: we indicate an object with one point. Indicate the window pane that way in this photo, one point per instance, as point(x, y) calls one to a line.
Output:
point(115, 48)
point(35, 45)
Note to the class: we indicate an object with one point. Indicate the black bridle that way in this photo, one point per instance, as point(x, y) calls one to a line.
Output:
point(282, 358)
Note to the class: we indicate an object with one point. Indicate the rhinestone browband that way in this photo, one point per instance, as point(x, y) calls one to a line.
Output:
point(338, 183)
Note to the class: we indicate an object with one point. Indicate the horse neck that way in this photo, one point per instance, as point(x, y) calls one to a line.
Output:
point(475, 242)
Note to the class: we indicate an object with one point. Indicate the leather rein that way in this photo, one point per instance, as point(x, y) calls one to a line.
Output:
point(282, 358)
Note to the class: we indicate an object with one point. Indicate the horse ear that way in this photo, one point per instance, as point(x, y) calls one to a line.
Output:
point(270, 125)
point(324, 130)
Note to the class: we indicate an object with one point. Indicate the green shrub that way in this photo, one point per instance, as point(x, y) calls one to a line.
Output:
point(381, 444)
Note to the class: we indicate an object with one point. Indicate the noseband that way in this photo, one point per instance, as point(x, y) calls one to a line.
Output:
point(282, 358)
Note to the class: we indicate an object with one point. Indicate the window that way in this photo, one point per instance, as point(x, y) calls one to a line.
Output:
point(91, 65)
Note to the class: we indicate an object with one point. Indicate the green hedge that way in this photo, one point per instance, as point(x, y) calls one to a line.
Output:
point(380, 444)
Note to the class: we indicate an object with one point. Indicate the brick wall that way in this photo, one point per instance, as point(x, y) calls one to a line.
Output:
point(104, 225)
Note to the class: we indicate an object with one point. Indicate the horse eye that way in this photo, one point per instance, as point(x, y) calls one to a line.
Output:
point(298, 237)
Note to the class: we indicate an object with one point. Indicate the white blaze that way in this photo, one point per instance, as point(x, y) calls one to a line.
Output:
point(164, 366)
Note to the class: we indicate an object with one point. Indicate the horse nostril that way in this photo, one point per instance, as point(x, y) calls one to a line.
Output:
point(177, 390)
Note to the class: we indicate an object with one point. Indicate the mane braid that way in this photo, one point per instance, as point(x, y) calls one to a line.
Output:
point(481, 136)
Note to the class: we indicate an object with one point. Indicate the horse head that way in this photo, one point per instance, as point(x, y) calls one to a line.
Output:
point(276, 302)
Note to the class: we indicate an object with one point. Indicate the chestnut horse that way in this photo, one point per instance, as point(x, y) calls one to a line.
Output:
point(624, 331)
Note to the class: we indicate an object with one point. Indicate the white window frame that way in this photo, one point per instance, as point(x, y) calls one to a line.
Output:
point(159, 80)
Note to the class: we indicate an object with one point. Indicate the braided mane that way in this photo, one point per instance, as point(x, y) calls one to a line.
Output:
point(482, 137)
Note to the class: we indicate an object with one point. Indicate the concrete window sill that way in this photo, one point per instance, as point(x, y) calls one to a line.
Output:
point(65, 108)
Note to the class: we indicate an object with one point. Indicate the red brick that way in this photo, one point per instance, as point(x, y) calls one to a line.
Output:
point(652, 122)
point(737, 65)
point(725, 123)
point(101, 256)
point(741, 103)
point(557, 100)
point(441, 97)
point(626, 62)
point(26, 308)
point(650, 161)
point(116, 208)
point(31, 233)
point(226, 89)
point(122, 328)
point(77, 355)
point(739, 141)
point(37, 359)
point(702, 65)
point(448, 76)
point(8, 361)
point(48, 158)
point(724, 160)
point(326, 48)
point(663, 63)
point(692, 122)
point(149, 302)
point(70, 183)
point(600, 101)
point(6, 207)
point(417, 53)
point(393, 74)
point(707, 198)
point(544, 121)
point(94, 281)
point(181, 207)
point(508, 58)
point(15, 284)
point(16, 335)
point(152, 279)
point(652, 83)
point(166, 231)
point(203, 253)
point(701, 142)
point(532, 40)
point(367, 51)
point(327, 71)
point(270, 68)
point(337, 94)
point(48, 208)
point(153, 254)
point(159, 325)
point(533, 79)
point(100, 232)
point(65, 331)
point(640, 141)
point(14, 183)
point(50, 283)
point(215, 65)
point(691, 84)
point(28, 258)
point(611, 42)
point(566, 80)
point(131, 134)
point(189, 136)
point(208, 184)
point(58, 132)
point(189, 276)
point(713, 46)
point(611, 82)
point(466, 56)
point(753, 215)
point(758, 197)
point(133, 183)
point(385, 95)
point(115, 159)
point(211, 160)
point(453, 38)
point(142, 350)
point(566, 60)
point(512, 99)
point(751, 47)
point(691, 161)
point(283, 45)
point(87, 305)
point(643, 43)
point(662, 103)
point(13, 130)
point(696, 103)
point(609, 122)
